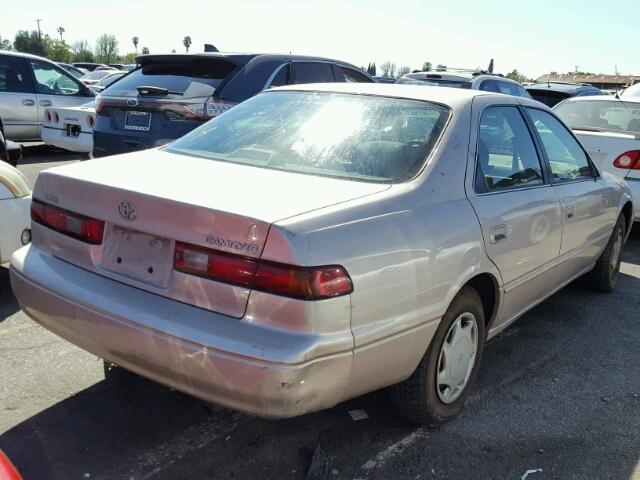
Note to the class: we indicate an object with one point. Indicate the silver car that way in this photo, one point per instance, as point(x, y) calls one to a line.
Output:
point(28, 85)
point(319, 242)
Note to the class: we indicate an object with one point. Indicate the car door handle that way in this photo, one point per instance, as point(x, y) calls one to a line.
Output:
point(499, 234)
point(28, 102)
point(45, 103)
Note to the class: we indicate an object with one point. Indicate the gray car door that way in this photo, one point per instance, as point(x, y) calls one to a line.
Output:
point(588, 210)
point(56, 88)
point(518, 209)
point(18, 103)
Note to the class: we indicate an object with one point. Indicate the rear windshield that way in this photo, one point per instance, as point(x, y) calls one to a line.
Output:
point(605, 116)
point(436, 82)
point(548, 97)
point(185, 80)
point(356, 137)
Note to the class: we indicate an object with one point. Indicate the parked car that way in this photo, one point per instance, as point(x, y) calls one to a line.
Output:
point(318, 242)
point(7, 470)
point(384, 80)
point(70, 128)
point(29, 84)
point(130, 66)
point(104, 82)
point(609, 128)
point(89, 66)
point(15, 202)
point(170, 95)
point(10, 152)
point(552, 93)
point(76, 72)
point(473, 81)
point(632, 91)
point(94, 77)
point(117, 66)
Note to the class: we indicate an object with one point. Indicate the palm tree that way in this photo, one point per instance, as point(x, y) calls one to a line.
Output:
point(186, 41)
point(135, 41)
point(61, 31)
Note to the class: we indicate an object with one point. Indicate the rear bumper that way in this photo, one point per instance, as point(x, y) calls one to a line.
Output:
point(83, 143)
point(634, 185)
point(14, 219)
point(217, 358)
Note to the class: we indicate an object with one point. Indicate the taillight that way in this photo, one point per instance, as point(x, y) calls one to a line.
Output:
point(307, 283)
point(85, 229)
point(628, 160)
point(99, 104)
point(91, 121)
point(56, 116)
point(48, 116)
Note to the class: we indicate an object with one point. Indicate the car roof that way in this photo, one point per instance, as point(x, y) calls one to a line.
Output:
point(443, 95)
point(560, 87)
point(26, 55)
point(603, 98)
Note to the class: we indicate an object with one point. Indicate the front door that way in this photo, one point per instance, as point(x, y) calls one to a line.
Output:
point(519, 211)
point(56, 88)
point(18, 102)
point(588, 212)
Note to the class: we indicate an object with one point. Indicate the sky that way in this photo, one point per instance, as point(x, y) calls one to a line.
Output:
point(535, 37)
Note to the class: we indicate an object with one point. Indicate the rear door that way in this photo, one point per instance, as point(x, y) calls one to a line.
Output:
point(518, 209)
point(56, 88)
point(18, 102)
point(588, 211)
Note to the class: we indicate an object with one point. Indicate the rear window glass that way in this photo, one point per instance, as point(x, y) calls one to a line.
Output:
point(185, 80)
point(437, 82)
point(548, 97)
point(606, 116)
point(355, 137)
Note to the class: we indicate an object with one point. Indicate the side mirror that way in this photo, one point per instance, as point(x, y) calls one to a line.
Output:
point(13, 154)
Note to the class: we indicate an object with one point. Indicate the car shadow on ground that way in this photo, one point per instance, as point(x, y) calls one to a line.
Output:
point(33, 153)
point(8, 303)
point(559, 390)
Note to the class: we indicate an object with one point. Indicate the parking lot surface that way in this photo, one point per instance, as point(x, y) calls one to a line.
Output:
point(559, 391)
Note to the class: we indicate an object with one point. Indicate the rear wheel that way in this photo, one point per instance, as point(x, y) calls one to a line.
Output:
point(440, 385)
point(604, 276)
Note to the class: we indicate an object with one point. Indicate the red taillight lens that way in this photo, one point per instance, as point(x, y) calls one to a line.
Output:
point(628, 160)
point(7, 470)
point(91, 121)
point(307, 283)
point(88, 230)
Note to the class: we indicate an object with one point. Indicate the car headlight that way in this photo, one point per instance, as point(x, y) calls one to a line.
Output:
point(14, 181)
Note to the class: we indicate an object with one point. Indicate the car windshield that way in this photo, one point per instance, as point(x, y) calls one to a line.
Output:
point(603, 115)
point(355, 137)
point(198, 78)
point(436, 82)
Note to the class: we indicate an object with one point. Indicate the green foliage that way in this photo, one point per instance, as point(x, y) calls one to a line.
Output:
point(106, 49)
point(135, 41)
point(5, 44)
point(371, 69)
point(490, 69)
point(30, 42)
point(58, 51)
point(129, 58)
point(145, 50)
point(517, 76)
point(402, 71)
point(186, 41)
point(81, 52)
point(426, 67)
point(388, 69)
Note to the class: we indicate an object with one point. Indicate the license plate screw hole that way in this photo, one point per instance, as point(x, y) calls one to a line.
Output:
point(150, 270)
point(119, 260)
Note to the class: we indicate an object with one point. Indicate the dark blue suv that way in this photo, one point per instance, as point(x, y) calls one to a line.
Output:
point(552, 93)
point(170, 95)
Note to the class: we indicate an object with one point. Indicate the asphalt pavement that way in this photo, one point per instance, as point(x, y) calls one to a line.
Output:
point(558, 396)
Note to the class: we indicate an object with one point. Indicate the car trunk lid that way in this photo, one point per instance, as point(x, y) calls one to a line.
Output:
point(605, 147)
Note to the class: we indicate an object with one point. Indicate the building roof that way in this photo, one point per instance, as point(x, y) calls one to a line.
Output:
point(622, 80)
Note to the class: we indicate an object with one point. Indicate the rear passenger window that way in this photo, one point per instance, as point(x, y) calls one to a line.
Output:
point(506, 155)
point(14, 75)
point(353, 76)
point(567, 159)
point(499, 87)
point(282, 77)
point(311, 73)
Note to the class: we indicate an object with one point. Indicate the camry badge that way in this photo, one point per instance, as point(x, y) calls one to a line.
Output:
point(127, 211)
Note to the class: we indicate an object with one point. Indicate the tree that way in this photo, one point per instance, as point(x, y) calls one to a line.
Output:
point(371, 69)
point(106, 48)
point(145, 50)
point(5, 44)
point(61, 30)
point(29, 42)
point(426, 67)
point(388, 69)
point(58, 51)
point(517, 76)
point(81, 52)
point(402, 71)
point(173, 51)
point(441, 68)
point(135, 41)
point(186, 41)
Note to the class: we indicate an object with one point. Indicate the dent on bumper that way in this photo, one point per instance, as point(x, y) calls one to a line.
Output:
point(213, 357)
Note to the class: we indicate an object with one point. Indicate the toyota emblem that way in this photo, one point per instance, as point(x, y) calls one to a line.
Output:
point(127, 211)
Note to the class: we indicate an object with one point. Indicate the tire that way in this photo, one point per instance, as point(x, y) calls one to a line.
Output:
point(420, 398)
point(604, 276)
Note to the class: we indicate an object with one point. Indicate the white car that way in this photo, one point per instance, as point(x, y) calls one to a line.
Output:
point(609, 129)
point(15, 204)
point(70, 128)
point(632, 91)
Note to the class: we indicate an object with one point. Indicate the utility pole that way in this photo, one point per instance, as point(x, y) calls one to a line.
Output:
point(616, 70)
point(39, 33)
point(577, 66)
